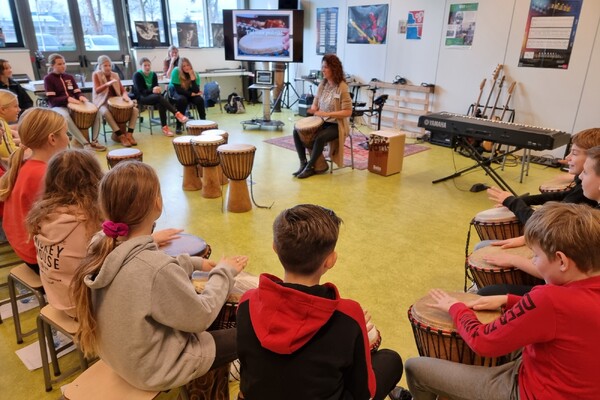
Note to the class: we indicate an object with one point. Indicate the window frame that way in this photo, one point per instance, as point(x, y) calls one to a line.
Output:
point(17, 24)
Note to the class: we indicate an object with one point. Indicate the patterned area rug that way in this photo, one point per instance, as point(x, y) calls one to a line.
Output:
point(361, 156)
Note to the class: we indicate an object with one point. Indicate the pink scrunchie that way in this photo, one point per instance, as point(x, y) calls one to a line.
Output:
point(115, 229)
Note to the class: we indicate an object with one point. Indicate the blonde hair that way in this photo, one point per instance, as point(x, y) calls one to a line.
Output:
point(573, 229)
point(130, 182)
point(101, 60)
point(52, 60)
point(35, 125)
point(72, 179)
point(185, 80)
point(7, 98)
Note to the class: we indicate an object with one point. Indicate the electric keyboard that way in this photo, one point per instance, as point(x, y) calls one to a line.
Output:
point(508, 133)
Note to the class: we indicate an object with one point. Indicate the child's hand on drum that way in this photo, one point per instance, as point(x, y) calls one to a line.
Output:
point(510, 243)
point(488, 302)
point(165, 236)
point(497, 195)
point(237, 262)
point(504, 260)
point(443, 301)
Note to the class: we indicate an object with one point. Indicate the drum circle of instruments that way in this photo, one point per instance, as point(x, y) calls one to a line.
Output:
point(497, 224)
point(436, 336)
point(485, 274)
point(187, 157)
point(237, 161)
point(205, 147)
point(83, 115)
point(127, 154)
point(188, 244)
point(120, 109)
point(559, 184)
point(307, 130)
point(195, 127)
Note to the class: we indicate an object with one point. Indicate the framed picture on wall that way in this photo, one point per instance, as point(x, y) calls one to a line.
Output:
point(187, 34)
point(368, 24)
point(217, 35)
point(147, 33)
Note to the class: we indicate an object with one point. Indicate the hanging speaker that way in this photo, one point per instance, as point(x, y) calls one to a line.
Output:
point(288, 4)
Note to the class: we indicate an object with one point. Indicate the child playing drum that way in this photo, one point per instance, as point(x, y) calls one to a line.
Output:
point(107, 84)
point(521, 206)
point(334, 105)
point(137, 307)
point(61, 89)
point(556, 324)
point(301, 331)
point(147, 91)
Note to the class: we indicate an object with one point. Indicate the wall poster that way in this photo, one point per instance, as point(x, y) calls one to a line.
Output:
point(147, 33)
point(367, 24)
point(187, 34)
point(414, 26)
point(461, 25)
point(327, 27)
point(550, 33)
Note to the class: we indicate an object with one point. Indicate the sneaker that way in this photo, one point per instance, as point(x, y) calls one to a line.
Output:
point(115, 138)
point(166, 131)
point(129, 136)
point(399, 393)
point(123, 140)
point(97, 146)
point(178, 130)
point(181, 118)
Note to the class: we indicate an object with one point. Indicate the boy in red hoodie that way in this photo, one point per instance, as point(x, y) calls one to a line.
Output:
point(296, 338)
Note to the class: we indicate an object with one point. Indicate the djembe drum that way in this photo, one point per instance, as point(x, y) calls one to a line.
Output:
point(116, 156)
point(83, 115)
point(195, 127)
point(225, 135)
point(307, 129)
point(485, 274)
point(497, 223)
point(187, 157)
point(187, 244)
point(215, 384)
point(436, 335)
point(121, 111)
point(558, 184)
point(236, 161)
point(205, 147)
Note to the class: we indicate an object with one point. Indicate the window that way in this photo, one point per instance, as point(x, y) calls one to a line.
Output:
point(52, 25)
point(9, 24)
point(189, 22)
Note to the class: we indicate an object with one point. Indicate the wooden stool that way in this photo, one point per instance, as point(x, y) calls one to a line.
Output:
point(50, 318)
point(100, 382)
point(8, 258)
point(26, 277)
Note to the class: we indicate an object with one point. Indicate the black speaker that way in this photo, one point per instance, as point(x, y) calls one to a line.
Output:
point(288, 4)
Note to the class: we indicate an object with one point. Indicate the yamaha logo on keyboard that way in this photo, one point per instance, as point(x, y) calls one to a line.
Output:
point(437, 124)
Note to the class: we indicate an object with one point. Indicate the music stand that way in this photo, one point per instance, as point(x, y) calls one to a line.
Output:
point(284, 95)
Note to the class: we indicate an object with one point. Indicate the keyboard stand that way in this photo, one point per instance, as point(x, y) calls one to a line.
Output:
point(266, 119)
point(483, 162)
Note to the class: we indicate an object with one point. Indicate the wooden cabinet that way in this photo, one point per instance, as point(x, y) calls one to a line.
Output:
point(403, 107)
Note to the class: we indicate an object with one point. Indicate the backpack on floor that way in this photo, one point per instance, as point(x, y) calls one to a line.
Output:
point(235, 104)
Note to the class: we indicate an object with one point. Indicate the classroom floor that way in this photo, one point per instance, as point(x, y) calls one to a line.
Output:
point(401, 236)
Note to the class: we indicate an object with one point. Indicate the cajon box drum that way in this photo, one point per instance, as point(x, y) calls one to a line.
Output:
point(436, 335)
point(205, 147)
point(386, 152)
point(115, 156)
point(187, 157)
point(195, 127)
point(237, 161)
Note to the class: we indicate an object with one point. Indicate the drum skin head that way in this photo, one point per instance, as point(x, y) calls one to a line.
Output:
point(428, 316)
point(476, 258)
point(497, 214)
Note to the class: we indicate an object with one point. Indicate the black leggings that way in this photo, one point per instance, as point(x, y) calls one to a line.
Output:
point(159, 101)
point(325, 134)
point(387, 366)
point(181, 102)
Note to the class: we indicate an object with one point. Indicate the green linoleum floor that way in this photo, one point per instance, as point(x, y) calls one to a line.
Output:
point(402, 235)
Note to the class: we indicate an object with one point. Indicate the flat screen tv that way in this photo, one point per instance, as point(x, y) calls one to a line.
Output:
point(263, 35)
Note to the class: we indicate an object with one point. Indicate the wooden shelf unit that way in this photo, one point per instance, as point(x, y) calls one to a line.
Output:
point(403, 107)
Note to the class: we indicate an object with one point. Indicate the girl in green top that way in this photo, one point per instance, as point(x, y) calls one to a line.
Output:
point(185, 89)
